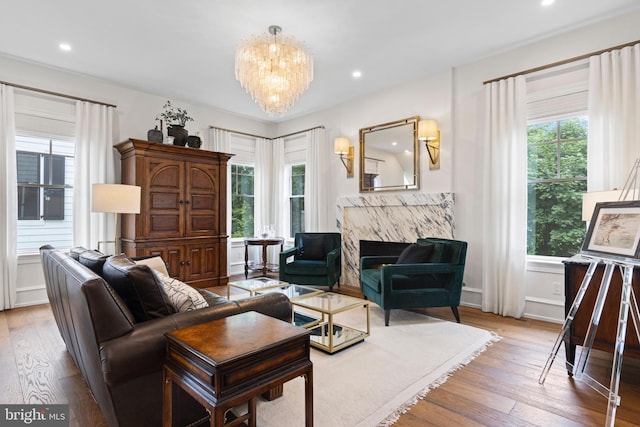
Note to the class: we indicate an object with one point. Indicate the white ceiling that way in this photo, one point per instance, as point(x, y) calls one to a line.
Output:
point(185, 49)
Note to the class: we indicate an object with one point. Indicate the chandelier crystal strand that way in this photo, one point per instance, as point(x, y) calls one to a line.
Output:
point(274, 70)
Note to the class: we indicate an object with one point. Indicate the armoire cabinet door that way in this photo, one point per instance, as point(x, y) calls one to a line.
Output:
point(202, 203)
point(202, 261)
point(164, 201)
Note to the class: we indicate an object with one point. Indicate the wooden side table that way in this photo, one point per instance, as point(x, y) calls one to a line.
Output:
point(265, 243)
point(230, 361)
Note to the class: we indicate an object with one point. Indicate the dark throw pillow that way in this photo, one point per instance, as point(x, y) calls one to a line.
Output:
point(313, 248)
point(94, 260)
point(138, 287)
point(415, 254)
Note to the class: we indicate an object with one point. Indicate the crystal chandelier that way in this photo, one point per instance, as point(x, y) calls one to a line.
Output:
point(274, 70)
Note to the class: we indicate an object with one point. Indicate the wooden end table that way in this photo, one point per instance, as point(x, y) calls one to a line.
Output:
point(265, 267)
point(230, 361)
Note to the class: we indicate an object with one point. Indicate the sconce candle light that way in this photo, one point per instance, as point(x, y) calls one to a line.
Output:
point(342, 146)
point(429, 133)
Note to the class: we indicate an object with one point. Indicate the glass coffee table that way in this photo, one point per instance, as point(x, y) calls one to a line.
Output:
point(294, 293)
point(254, 285)
point(328, 335)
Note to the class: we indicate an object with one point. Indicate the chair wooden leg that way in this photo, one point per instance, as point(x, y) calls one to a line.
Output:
point(456, 314)
point(386, 317)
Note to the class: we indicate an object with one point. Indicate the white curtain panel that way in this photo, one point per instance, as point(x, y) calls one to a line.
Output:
point(262, 184)
point(219, 140)
point(315, 181)
point(505, 198)
point(8, 200)
point(280, 189)
point(95, 164)
point(614, 112)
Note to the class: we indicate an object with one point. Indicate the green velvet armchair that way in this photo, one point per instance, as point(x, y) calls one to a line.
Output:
point(427, 274)
point(315, 260)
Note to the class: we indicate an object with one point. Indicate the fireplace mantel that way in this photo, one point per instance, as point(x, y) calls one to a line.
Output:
point(390, 218)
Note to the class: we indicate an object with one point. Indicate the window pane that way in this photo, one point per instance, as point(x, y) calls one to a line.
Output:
point(542, 161)
point(297, 215)
point(28, 168)
point(543, 132)
point(57, 175)
point(54, 203)
point(573, 159)
point(242, 216)
point(28, 203)
point(554, 218)
point(575, 128)
point(242, 201)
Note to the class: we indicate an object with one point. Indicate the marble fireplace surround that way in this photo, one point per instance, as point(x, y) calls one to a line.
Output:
point(390, 218)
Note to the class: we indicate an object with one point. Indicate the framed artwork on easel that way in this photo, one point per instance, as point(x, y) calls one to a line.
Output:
point(614, 231)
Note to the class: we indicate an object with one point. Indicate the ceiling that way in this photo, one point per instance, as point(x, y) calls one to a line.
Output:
point(184, 50)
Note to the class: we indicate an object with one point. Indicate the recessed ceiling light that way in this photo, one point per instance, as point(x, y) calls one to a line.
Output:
point(356, 74)
point(394, 143)
point(65, 47)
point(547, 2)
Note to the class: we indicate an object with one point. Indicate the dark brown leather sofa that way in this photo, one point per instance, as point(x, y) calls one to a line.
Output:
point(121, 359)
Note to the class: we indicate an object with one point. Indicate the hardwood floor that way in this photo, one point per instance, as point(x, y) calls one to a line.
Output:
point(499, 388)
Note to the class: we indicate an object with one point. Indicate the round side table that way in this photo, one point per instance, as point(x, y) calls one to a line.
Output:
point(265, 243)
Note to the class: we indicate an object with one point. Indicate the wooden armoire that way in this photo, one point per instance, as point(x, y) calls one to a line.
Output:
point(183, 215)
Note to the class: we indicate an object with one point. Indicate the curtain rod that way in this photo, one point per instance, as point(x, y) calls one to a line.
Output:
point(564, 61)
point(63, 95)
point(264, 137)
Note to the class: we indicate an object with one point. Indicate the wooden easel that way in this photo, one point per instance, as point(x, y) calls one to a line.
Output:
point(627, 301)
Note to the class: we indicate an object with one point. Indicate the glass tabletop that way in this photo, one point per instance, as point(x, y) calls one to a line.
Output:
point(294, 292)
point(330, 302)
point(256, 284)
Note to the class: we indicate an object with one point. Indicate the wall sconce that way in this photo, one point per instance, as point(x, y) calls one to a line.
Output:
point(117, 199)
point(342, 147)
point(429, 133)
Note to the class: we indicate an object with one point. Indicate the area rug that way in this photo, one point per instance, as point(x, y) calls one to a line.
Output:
point(373, 382)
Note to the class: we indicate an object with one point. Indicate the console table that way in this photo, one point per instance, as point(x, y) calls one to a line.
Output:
point(231, 361)
point(265, 243)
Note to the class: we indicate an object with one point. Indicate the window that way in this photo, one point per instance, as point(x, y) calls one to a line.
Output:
point(557, 177)
point(296, 200)
point(45, 193)
point(242, 201)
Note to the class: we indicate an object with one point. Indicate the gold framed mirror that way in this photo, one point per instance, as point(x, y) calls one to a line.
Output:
point(389, 155)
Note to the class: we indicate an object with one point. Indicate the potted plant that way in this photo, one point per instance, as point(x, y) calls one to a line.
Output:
point(176, 118)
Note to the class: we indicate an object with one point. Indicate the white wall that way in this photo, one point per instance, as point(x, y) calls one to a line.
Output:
point(455, 100)
point(136, 115)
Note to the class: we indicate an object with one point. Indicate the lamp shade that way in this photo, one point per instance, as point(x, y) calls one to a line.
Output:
point(118, 198)
point(589, 201)
point(427, 130)
point(341, 145)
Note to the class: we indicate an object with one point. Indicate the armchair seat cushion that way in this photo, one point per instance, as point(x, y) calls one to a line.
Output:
point(307, 267)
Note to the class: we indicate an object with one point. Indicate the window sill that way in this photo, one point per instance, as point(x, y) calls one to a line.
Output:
point(545, 264)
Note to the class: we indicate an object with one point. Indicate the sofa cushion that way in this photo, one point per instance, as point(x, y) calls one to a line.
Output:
point(139, 288)
point(415, 254)
point(313, 247)
point(94, 260)
point(76, 251)
point(182, 296)
point(155, 263)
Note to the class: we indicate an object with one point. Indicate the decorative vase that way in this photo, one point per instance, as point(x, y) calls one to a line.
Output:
point(194, 141)
point(179, 133)
point(154, 135)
